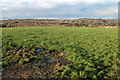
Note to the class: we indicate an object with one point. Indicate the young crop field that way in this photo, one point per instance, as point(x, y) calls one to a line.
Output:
point(78, 53)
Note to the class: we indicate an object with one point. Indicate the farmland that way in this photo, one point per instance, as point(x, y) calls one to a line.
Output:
point(90, 53)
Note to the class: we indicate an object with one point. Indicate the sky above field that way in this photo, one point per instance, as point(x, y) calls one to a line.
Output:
point(14, 9)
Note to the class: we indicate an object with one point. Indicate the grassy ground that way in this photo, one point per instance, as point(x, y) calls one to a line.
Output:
point(92, 50)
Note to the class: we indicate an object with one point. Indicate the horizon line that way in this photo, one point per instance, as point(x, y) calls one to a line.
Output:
point(58, 18)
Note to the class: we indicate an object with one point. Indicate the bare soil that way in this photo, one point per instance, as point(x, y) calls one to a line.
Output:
point(37, 68)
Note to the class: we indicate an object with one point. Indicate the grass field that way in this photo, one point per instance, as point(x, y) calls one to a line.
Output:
point(93, 51)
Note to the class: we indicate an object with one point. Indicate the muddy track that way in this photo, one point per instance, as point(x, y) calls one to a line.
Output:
point(36, 68)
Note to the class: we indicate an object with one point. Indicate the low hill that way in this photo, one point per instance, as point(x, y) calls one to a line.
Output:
point(85, 22)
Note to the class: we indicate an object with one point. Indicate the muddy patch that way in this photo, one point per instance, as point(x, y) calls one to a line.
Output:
point(40, 63)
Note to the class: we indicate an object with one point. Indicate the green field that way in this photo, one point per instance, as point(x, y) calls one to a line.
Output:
point(93, 51)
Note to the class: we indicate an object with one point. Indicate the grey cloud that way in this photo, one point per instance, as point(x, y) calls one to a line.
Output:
point(63, 10)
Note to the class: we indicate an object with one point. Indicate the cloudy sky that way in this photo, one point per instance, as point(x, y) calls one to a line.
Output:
point(13, 9)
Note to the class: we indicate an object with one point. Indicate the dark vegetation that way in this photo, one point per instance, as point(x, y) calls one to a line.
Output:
point(59, 22)
point(68, 52)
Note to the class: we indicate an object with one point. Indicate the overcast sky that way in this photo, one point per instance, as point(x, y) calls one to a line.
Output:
point(59, 9)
